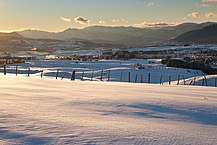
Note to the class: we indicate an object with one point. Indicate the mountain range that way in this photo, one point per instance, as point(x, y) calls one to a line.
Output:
point(108, 37)
point(128, 36)
point(205, 35)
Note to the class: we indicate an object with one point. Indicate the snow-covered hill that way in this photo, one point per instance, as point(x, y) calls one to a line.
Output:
point(119, 70)
point(48, 111)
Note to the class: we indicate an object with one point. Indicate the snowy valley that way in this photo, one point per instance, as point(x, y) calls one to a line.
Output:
point(111, 101)
point(59, 90)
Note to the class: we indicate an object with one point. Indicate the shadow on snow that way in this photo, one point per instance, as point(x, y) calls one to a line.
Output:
point(166, 112)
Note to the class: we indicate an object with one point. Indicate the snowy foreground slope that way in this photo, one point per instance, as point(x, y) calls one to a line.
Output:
point(48, 111)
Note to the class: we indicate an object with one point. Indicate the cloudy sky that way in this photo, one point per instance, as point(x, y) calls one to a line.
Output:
point(57, 15)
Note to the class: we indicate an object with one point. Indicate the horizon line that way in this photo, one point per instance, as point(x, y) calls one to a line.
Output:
point(113, 26)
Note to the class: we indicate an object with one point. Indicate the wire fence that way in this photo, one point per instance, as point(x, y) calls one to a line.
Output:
point(121, 75)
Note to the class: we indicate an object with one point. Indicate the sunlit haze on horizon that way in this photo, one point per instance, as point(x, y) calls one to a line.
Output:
point(58, 15)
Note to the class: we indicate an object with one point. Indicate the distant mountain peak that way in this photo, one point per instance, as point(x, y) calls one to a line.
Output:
point(70, 29)
point(12, 35)
point(207, 34)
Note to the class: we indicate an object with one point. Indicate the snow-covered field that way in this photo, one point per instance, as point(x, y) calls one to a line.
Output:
point(119, 70)
point(49, 111)
point(99, 51)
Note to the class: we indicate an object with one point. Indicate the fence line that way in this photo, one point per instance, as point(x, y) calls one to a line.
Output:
point(138, 76)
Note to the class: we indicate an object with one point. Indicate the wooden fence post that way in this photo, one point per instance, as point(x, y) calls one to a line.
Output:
point(206, 81)
point(42, 73)
point(28, 71)
point(191, 82)
point(16, 70)
point(63, 75)
point(161, 79)
point(194, 81)
point(178, 79)
point(169, 80)
point(203, 82)
point(129, 77)
point(136, 78)
point(92, 75)
point(101, 75)
point(5, 71)
point(184, 79)
point(215, 82)
point(121, 75)
point(149, 78)
point(109, 75)
point(57, 73)
point(82, 76)
point(73, 75)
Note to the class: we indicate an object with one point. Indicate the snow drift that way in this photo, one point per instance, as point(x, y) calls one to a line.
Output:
point(48, 111)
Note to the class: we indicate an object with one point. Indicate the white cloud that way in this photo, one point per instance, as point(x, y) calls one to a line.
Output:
point(151, 4)
point(210, 15)
point(81, 20)
point(204, 5)
point(207, 3)
point(153, 25)
point(120, 21)
point(115, 20)
point(65, 19)
point(194, 15)
point(102, 22)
